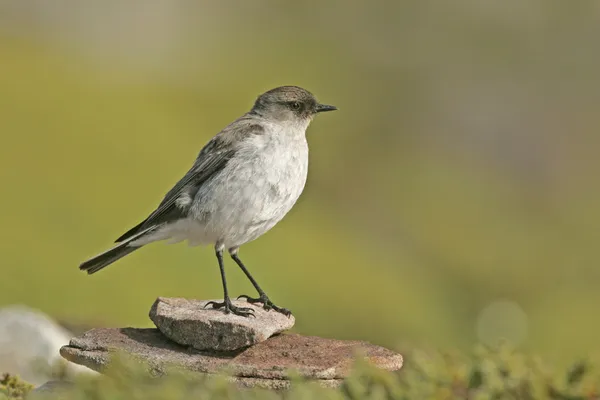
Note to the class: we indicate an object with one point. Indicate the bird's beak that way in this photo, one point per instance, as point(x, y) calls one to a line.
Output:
point(325, 107)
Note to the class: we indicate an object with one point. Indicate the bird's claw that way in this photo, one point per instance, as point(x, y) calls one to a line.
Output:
point(228, 307)
point(267, 304)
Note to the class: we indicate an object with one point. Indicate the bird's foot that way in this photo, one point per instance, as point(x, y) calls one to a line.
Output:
point(267, 304)
point(228, 307)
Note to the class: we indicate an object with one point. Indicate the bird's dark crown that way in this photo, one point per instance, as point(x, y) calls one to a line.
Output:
point(285, 101)
point(285, 94)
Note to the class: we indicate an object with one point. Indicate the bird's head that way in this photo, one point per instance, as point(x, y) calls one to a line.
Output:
point(289, 103)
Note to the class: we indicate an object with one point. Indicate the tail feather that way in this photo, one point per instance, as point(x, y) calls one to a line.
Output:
point(108, 257)
point(105, 259)
point(130, 232)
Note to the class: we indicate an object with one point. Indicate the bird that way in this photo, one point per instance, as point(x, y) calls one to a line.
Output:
point(242, 183)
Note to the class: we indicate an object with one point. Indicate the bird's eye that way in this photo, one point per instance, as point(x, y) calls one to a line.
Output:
point(295, 105)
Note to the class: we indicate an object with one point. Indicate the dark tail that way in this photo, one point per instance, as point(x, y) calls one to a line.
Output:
point(102, 260)
point(130, 232)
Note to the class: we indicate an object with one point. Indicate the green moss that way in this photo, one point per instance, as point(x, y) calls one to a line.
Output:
point(11, 387)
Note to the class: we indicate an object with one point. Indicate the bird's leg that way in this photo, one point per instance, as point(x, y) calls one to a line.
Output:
point(226, 304)
point(263, 298)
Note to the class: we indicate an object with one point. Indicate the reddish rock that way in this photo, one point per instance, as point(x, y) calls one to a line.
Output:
point(265, 364)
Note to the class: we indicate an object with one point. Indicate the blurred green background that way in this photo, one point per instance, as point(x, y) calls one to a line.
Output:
point(452, 199)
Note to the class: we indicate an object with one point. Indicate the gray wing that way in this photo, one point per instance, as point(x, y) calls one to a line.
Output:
point(212, 159)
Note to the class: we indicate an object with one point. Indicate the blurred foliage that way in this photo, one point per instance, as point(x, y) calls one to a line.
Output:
point(490, 373)
point(12, 387)
point(459, 174)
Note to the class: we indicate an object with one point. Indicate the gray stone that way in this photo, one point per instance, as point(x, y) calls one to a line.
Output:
point(188, 323)
point(29, 344)
point(55, 389)
point(265, 364)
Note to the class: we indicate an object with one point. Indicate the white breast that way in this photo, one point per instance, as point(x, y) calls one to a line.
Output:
point(254, 191)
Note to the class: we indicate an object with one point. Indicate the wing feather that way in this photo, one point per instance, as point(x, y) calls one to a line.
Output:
point(212, 159)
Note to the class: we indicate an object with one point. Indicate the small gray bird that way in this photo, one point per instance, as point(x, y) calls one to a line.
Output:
point(242, 183)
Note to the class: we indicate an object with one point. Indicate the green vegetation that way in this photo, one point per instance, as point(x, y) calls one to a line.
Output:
point(500, 374)
point(12, 387)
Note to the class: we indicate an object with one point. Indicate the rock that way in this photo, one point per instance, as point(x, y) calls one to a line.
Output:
point(29, 344)
point(56, 389)
point(265, 364)
point(188, 323)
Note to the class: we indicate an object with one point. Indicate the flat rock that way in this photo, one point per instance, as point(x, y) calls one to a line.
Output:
point(188, 323)
point(265, 364)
